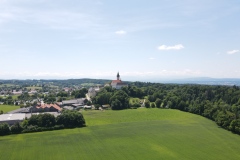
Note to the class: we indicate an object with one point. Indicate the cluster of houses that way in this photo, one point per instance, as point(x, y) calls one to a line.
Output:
point(55, 109)
point(20, 114)
point(16, 92)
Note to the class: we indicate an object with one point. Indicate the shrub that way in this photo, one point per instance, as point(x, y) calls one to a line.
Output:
point(31, 129)
point(71, 119)
point(16, 128)
point(4, 129)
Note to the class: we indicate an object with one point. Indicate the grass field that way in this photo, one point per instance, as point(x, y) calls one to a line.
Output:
point(13, 96)
point(7, 85)
point(52, 86)
point(7, 108)
point(129, 134)
point(34, 88)
point(89, 84)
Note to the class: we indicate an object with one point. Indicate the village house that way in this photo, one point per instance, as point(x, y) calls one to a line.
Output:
point(5, 92)
point(32, 92)
point(12, 118)
point(66, 89)
point(43, 107)
point(16, 92)
point(92, 92)
point(73, 102)
point(20, 110)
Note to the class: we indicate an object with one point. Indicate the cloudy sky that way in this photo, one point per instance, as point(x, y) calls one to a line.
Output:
point(142, 39)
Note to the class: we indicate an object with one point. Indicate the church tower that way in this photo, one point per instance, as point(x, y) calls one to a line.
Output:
point(118, 84)
point(118, 76)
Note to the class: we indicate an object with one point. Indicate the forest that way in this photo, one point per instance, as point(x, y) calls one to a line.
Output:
point(218, 103)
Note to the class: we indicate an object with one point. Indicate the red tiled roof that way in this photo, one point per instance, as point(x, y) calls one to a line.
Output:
point(116, 81)
point(48, 106)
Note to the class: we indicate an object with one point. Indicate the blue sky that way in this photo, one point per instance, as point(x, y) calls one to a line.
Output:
point(154, 39)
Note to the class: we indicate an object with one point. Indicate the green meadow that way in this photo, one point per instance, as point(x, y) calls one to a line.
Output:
point(137, 134)
point(34, 88)
point(15, 97)
point(7, 108)
point(7, 85)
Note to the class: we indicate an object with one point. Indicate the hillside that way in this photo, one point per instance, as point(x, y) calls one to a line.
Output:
point(128, 134)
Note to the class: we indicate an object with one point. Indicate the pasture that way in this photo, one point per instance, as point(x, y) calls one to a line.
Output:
point(7, 108)
point(128, 134)
point(7, 85)
point(15, 97)
point(88, 84)
point(34, 88)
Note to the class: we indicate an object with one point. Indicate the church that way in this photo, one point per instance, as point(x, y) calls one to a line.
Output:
point(118, 84)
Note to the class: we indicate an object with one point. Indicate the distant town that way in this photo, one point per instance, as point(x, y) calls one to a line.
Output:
point(51, 96)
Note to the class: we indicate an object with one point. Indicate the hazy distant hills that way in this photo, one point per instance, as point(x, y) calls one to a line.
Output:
point(198, 80)
point(205, 80)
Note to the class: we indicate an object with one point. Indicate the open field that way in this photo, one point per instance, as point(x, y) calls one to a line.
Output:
point(13, 96)
point(7, 85)
point(128, 134)
point(7, 108)
point(34, 88)
point(89, 84)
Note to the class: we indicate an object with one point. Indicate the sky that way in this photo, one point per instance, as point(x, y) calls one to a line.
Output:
point(142, 39)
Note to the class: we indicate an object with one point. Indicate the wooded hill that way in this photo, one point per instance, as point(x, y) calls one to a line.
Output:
point(218, 103)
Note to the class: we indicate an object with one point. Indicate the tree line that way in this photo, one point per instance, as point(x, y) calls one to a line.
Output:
point(45, 122)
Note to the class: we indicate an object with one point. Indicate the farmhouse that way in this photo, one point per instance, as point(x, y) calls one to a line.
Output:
point(118, 84)
point(93, 91)
point(12, 118)
point(19, 117)
point(17, 92)
point(73, 102)
point(43, 107)
point(32, 92)
point(20, 110)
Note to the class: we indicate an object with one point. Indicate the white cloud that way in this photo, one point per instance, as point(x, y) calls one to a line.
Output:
point(151, 58)
point(121, 32)
point(67, 18)
point(175, 47)
point(233, 51)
